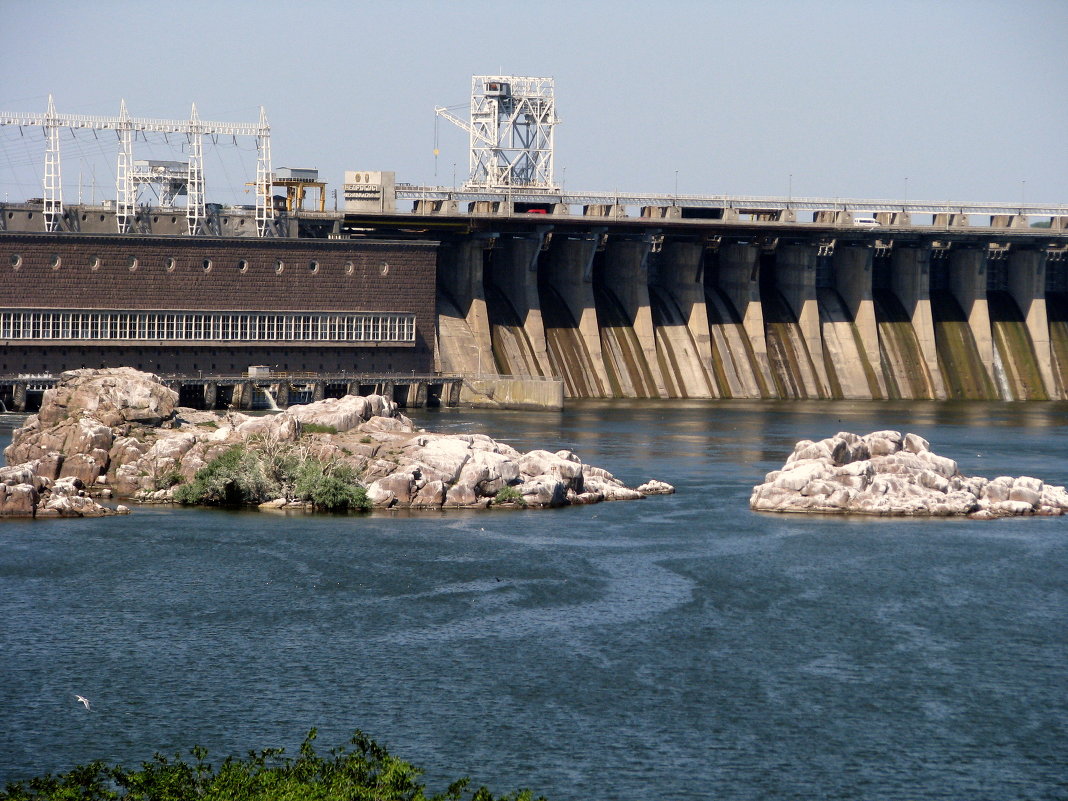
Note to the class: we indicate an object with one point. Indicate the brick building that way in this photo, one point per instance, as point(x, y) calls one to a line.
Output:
point(215, 305)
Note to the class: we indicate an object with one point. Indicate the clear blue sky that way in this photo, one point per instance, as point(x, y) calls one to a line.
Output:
point(943, 99)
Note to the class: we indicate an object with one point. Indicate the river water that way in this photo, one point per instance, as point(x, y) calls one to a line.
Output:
point(678, 647)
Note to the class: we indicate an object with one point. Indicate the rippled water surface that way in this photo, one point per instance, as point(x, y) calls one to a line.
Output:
point(677, 647)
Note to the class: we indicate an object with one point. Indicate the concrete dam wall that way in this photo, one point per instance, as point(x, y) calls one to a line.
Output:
point(649, 316)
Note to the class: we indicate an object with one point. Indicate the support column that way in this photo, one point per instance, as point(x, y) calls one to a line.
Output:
point(281, 398)
point(1027, 285)
point(682, 275)
point(739, 279)
point(318, 390)
point(626, 275)
point(569, 270)
point(469, 348)
point(795, 271)
point(515, 273)
point(19, 398)
point(967, 282)
point(852, 278)
point(910, 279)
point(211, 394)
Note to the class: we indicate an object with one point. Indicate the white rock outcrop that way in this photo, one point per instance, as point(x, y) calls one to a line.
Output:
point(885, 473)
point(118, 432)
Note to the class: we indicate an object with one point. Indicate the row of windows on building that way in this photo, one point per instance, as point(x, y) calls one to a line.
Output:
point(215, 327)
point(170, 264)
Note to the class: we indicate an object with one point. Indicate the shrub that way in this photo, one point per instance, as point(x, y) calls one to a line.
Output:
point(509, 495)
point(367, 771)
point(331, 489)
point(234, 478)
point(168, 480)
point(318, 428)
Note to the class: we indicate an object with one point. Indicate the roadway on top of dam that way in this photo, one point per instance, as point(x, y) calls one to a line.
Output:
point(762, 219)
point(741, 203)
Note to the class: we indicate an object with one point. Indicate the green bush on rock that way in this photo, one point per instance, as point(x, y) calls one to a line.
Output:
point(234, 478)
point(333, 488)
point(241, 477)
point(509, 495)
point(367, 771)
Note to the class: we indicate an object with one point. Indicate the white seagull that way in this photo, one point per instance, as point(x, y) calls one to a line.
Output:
point(83, 701)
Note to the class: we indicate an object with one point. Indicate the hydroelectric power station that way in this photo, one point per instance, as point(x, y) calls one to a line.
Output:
point(511, 285)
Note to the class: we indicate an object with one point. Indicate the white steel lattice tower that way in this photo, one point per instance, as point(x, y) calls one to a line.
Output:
point(195, 211)
point(53, 180)
point(511, 132)
point(264, 201)
point(124, 184)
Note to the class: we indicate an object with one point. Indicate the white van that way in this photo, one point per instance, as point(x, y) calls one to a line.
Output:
point(865, 221)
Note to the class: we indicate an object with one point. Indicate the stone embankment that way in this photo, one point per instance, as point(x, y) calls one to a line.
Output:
point(119, 433)
point(885, 473)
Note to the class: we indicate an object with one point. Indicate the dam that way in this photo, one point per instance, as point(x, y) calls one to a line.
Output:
point(613, 307)
point(510, 278)
point(675, 308)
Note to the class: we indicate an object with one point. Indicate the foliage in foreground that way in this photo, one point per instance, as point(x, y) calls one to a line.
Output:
point(242, 477)
point(366, 772)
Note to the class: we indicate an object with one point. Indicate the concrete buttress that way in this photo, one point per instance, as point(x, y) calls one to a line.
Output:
point(680, 273)
point(738, 277)
point(569, 271)
point(626, 276)
point(515, 274)
point(1027, 285)
point(467, 347)
point(967, 282)
point(910, 281)
point(852, 278)
point(795, 271)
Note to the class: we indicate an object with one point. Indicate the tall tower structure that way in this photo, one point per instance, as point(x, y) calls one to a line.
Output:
point(511, 133)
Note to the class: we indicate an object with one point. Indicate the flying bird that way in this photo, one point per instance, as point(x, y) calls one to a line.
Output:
point(83, 701)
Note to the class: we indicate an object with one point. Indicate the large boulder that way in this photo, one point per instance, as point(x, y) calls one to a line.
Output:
point(344, 413)
point(113, 396)
point(885, 473)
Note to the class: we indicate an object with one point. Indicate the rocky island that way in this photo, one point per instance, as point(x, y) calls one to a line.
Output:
point(885, 473)
point(119, 433)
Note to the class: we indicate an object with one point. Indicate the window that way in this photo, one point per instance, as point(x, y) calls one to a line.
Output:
point(198, 326)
